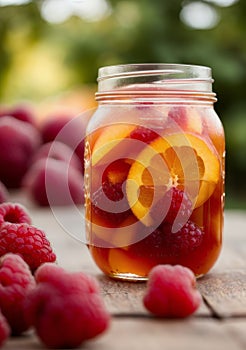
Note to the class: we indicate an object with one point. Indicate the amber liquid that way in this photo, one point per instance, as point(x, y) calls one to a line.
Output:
point(121, 243)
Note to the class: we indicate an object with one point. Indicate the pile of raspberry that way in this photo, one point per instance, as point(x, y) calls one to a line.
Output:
point(64, 308)
point(18, 236)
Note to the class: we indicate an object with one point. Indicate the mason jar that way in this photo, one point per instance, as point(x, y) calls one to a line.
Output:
point(154, 170)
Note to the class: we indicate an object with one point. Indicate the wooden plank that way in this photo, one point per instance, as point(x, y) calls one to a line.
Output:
point(159, 334)
point(225, 292)
point(236, 328)
point(155, 334)
point(126, 298)
point(233, 253)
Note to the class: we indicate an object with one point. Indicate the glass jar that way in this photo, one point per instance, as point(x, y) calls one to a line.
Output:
point(154, 170)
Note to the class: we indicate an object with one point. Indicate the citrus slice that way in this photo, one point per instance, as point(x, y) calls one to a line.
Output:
point(178, 160)
point(109, 139)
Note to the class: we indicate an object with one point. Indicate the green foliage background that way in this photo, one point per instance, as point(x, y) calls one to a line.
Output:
point(136, 31)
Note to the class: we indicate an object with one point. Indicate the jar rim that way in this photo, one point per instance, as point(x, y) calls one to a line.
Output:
point(167, 70)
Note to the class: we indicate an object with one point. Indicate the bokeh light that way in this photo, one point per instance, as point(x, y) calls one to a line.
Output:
point(88, 10)
point(199, 15)
point(13, 2)
point(223, 3)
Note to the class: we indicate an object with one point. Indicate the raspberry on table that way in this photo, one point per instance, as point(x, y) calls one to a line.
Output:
point(16, 280)
point(4, 329)
point(13, 213)
point(28, 241)
point(184, 241)
point(53, 274)
point(65, 308)
point(171, 292)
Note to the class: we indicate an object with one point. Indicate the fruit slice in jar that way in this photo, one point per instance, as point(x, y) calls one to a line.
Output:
point(179, 160)
point(188, 118)
point(109, 139)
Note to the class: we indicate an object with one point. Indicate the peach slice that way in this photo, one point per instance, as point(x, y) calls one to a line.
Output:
point(122, 236)
point(110, 138)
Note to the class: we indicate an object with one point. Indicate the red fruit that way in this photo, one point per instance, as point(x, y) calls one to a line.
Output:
point(184, 241)
point(152, 245)
point(59, 151)
point(113, 178)
point(177, 204)
point(4, 330)
point(28, 241)
point(4, 194)
point(108, 200)
point(51, 182)
point(171, 292)
point(65, 308)
point(16, 281)
point(143, 134)
point(181, 205)
point(52, 126)
point(13, 213)
point(18, 142)
point(109, 203)
point(53, 274)
point(68, 130)
point(21, 112)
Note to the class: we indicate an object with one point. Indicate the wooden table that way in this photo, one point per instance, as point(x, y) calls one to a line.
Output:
point(220, 322)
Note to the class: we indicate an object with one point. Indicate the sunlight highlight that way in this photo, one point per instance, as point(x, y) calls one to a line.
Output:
point(199, 15)
point(88, 10)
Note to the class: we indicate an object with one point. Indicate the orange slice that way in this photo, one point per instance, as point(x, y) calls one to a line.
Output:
point(109, 139)
point(177, 160)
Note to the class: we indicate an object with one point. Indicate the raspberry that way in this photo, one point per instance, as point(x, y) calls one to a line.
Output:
point(27, 241)
point(180, 204)
point(176, 204)
point(13, 213)
point(4, 329)
point(113, 191)
point(152, 246)
point(65, 308)
point(113, 178)
point(184, 241)
point(51, 273)
point(106, 207)
point(143, 134)
point(171, 292)
point(16, 281)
